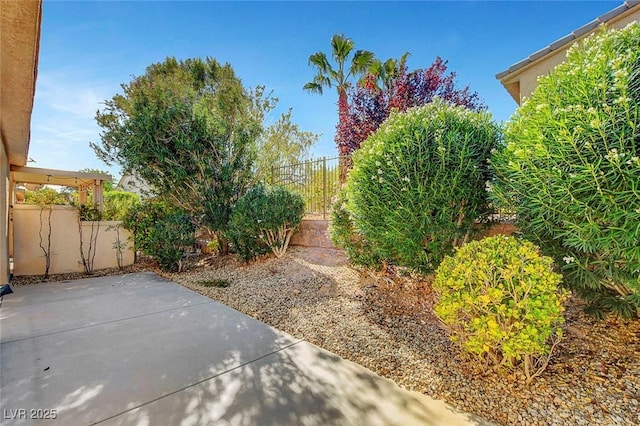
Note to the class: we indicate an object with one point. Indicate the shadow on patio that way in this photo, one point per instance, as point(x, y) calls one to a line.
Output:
point(137, 349)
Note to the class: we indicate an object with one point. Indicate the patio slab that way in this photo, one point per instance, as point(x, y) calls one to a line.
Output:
point(138, 349)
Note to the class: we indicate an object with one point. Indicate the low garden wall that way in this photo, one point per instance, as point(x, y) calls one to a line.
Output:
point(315, 233)
point(29, 259)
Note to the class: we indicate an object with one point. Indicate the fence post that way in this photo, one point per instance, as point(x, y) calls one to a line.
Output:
point(273, 175)
point(324, 188)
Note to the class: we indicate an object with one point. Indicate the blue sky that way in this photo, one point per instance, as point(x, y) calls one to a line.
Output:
point(88, 49)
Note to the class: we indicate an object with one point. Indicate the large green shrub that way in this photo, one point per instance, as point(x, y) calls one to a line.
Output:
point(418, 183)
point(571, 168)
point(343, 235)
point(161, 231)
point(265, 217)
point(500, 300)
point(118, 203)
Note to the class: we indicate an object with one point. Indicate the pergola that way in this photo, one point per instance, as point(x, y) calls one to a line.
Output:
point(83, 181)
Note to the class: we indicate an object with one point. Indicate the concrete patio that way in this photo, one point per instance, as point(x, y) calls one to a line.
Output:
point(138, 349)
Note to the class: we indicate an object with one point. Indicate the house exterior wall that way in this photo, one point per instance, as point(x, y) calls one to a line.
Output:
point(132, 183)
point(527, 78)
point(4, 209)
point(65, 241)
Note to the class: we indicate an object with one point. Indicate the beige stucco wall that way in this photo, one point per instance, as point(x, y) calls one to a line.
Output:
point(19, 48)
point(4, 216)
point(527, 77)
point(65, 241)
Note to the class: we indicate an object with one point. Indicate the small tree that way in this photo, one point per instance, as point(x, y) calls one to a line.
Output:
point(187, 128)
point(118, 203)
point(281, 143)
point(118, 245)
point(391, 87)
point(162, 231)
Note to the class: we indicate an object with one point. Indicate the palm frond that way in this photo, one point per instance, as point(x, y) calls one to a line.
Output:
point(361, 61)
point(313, 88)
point(319, 60)
point(341, 47)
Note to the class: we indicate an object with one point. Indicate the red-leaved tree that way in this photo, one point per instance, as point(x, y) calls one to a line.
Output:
point(390, 86)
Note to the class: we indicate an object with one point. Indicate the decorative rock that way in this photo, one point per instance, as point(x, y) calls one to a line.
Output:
point(390, 329)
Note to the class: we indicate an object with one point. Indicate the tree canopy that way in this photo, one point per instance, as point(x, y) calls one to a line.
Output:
point(281, 143)
point(188, 129)
point(391, 86)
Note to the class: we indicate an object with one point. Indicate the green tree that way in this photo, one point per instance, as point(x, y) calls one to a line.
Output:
point(160, 230)
point(118, 203)
point(339, 76)
point(45, 197)
point(281, 143)
point(187, 128)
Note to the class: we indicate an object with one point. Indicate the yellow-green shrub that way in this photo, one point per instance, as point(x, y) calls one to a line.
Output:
point(499, 299)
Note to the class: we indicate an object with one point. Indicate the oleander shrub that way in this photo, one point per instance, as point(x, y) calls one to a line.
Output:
point(264, 219)
point(418, 183)
point(500, 300)
point(344, 236)
point(571, 169)
point(161, 231)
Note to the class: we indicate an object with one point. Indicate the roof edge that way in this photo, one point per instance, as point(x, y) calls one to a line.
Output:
point(569, 38)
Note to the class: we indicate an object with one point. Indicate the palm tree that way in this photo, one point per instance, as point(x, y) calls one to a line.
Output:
point(339, 76)
point(386, 72)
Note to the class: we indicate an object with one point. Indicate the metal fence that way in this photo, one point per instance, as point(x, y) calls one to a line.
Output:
point(317, 181)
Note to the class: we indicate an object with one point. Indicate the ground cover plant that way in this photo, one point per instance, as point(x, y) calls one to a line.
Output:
point(571, 169)
point(418, 184)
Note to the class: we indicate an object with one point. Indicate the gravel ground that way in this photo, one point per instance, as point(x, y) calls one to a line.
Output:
point(387, 326)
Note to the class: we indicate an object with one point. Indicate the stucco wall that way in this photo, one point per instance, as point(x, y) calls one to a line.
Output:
point(65, 241)
point(528, 76)
point(4, 216)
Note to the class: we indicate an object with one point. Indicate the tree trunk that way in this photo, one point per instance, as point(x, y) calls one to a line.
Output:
point(223, 245)
point(344, 145)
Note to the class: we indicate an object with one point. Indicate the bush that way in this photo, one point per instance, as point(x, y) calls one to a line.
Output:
point(571, 169)
point(265, 217)
point(344, 236)
point(161, 231)
point(118, 203)
point(418, 183)
point(500, 300)
point(45, 196)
